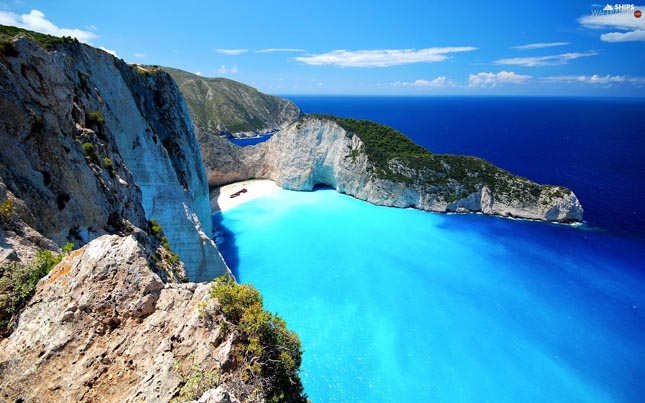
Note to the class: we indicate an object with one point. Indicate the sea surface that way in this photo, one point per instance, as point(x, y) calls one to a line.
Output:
point(399, 305)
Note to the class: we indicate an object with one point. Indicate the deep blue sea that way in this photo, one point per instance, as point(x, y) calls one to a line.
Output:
point(399, 305)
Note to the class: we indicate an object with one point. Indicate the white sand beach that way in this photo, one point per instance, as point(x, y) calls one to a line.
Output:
point(221, 199)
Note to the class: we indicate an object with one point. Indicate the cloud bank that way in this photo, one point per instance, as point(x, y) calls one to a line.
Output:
point(540, 45)
point(439, 82)
point(593, 79)
point(492, 79)
point(554, 60)
point(231, 51)
point(382, 57)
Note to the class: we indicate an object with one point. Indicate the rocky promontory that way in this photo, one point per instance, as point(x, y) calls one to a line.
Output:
point(380, 165)
point(227, 108)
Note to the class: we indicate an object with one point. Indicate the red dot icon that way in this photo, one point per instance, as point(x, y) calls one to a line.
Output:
point(638, 14)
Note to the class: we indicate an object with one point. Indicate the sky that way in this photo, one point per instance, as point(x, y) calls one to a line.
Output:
point(403, 47)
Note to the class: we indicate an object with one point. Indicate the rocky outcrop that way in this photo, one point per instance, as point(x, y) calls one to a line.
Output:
point(225, 107)
point(386, 169)
point(91, 145)
point(103, 327)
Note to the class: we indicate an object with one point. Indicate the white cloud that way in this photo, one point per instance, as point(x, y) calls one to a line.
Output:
point(540, 45)
point(271, 50)
point(554, 60)
point(593, 79)
point(140, 55)
point(225, 70)
point(231, 51)
point(113, 53)
point(36, 21)
point(492, 79)
point(439, 82)
point(623, 21)
point(631, 36)
point(382, 57)
point(198, 73)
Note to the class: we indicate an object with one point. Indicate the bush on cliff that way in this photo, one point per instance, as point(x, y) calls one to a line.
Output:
point(264, 347)
point(18, 283)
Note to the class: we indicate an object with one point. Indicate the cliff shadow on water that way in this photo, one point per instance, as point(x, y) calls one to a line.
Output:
point(224, 238)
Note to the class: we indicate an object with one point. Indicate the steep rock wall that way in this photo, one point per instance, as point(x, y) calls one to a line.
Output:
point(318, 150)
point(91, 145)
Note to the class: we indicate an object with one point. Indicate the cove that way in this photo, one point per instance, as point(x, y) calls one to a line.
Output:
point(399, 305)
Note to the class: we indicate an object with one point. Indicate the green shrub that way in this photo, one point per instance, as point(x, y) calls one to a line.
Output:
point(7, 211)
point(107, 161)
point(95, 117)
point(89, 152)
point(18, 283)
point(264, 347)
point(68, 247)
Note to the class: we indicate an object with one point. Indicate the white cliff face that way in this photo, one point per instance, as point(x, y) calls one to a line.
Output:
point(318, 151)
point(99, 143)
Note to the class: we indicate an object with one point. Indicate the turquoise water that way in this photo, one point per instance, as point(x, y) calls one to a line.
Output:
point(398, 305)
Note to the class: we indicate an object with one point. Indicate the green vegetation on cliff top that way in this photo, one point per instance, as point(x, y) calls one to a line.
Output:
point(392, 154)
point(8, 33)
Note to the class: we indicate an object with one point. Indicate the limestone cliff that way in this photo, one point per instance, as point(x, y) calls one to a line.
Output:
point(220, 106)
point(377, 164)
point(91, 145)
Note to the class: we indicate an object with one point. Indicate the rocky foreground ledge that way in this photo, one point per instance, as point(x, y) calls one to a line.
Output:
point(103, 327)
point(375, 163)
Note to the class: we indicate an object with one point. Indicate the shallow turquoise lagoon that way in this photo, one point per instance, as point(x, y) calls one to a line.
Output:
point(398, 305)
